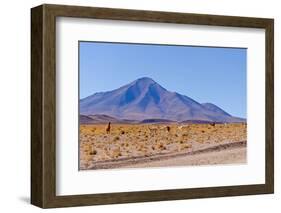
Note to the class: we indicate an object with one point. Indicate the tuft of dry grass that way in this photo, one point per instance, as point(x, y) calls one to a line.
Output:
point(116, 138)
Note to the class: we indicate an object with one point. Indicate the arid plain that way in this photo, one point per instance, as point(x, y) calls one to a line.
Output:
point(158, 145)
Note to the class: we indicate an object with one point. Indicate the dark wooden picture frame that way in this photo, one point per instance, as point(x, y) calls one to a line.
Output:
point(43, 105)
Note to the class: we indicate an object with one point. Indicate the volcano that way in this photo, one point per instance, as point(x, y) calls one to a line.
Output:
point(145, 99)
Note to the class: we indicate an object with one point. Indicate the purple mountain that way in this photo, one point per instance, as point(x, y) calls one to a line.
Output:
point(145, 99)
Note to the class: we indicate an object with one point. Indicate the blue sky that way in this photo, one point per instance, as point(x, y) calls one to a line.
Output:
point(206, 74)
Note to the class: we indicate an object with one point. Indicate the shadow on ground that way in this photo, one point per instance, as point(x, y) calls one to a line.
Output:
point(24, 199)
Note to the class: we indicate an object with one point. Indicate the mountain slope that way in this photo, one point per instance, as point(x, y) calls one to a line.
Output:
point(101, 118)
point(145, 99)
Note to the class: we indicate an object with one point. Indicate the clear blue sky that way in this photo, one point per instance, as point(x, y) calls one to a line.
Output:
point(216, 75)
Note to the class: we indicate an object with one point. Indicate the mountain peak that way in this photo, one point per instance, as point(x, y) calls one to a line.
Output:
point(143, 84)
point(145, 80)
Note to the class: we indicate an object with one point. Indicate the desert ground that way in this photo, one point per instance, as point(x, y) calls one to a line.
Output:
point(158, 145)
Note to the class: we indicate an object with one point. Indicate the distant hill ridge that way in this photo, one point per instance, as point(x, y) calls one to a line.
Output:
point(144, 100)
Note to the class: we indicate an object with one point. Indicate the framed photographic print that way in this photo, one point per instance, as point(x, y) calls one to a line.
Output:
point(136, 106)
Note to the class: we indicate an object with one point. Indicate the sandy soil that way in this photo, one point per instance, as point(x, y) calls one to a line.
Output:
point(157, 145)
point(229, 156)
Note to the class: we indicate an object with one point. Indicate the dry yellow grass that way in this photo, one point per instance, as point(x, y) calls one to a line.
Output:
point(144, 140)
